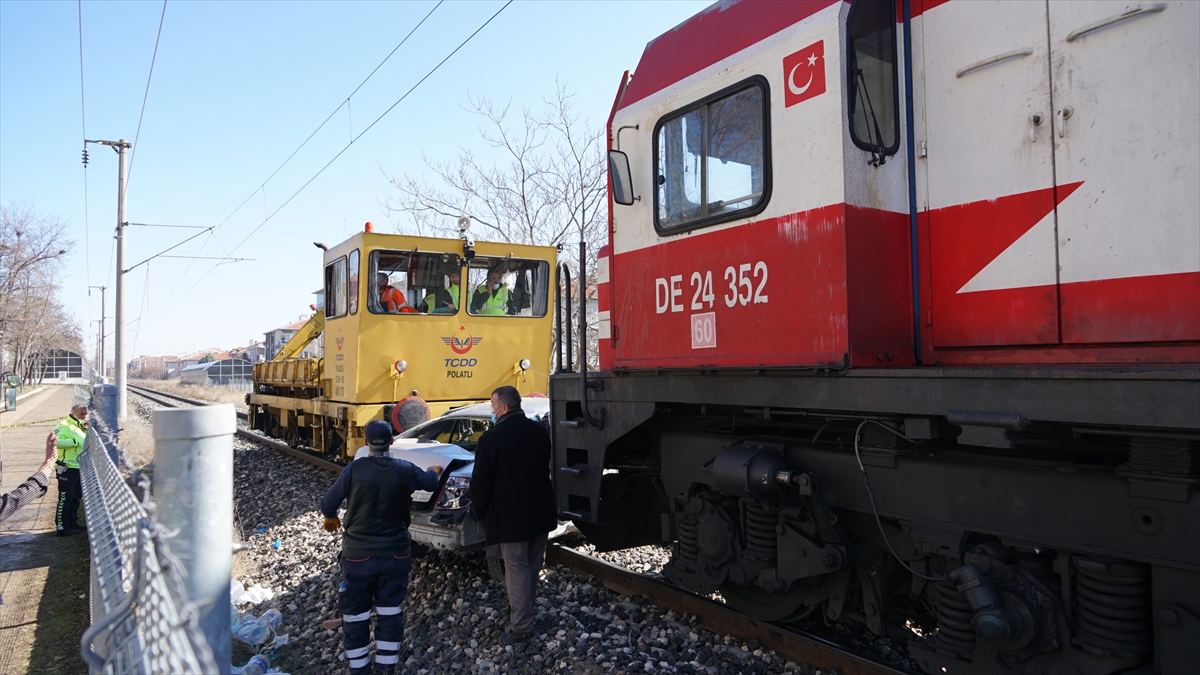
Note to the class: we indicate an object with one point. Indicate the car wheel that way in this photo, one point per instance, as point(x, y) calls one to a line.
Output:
point(496, 569)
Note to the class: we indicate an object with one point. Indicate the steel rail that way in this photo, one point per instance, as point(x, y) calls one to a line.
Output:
point(789, 643)
point(245, 433)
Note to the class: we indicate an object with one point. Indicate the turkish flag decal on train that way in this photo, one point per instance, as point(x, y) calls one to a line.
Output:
point(804, 74)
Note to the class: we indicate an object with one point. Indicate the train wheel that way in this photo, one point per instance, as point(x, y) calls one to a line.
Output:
point(756, 603)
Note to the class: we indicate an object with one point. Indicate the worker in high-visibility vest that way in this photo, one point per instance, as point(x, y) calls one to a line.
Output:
point(492, 299)
point(71, 434)
point(445, 300)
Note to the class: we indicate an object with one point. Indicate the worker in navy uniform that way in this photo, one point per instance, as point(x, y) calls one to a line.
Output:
point(512, 494)
point(71, 433)
point(375, 560)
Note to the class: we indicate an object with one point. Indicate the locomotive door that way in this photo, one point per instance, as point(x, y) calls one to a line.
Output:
point(990, 174)
point(1129, 234)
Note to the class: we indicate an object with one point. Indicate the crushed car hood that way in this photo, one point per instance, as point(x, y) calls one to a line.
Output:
point(450, 457)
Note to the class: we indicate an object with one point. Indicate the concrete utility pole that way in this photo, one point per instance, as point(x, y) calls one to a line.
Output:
point(100, 339)
point(122, 365)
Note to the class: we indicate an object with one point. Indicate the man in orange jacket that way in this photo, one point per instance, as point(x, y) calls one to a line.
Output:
point(392, 300)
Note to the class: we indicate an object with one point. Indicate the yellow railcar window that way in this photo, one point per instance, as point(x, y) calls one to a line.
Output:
point(406, 282)
point(353, 294)
point(507, 287)
point(335, 288)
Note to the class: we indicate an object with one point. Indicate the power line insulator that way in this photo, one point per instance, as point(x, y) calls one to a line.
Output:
point(85, 157)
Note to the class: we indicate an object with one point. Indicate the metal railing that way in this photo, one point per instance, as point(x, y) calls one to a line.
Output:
point(141, 618)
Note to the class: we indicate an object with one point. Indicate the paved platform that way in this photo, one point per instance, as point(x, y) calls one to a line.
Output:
point(33, 561)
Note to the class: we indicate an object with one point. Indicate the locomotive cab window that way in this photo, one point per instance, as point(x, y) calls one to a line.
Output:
point(874, 107)
point(712, 160)
point(335, 288)
point(507, 287)
point(404, 282)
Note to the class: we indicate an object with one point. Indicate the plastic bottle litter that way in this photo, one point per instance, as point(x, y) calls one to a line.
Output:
point(257, 665)
point(236, 590)
point(235, 617)
point(253, 632)
point(272, 617)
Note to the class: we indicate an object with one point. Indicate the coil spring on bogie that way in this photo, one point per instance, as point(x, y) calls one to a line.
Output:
point(689, 548)
point(759, 526)
point(954, 614)
point(1113, 611)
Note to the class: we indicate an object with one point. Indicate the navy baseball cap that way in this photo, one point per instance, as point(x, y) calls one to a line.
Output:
point(379, 432)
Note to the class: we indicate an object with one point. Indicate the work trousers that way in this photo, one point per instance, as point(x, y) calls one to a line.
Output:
point(70, 492)
point(522, 562)
point(380, 581)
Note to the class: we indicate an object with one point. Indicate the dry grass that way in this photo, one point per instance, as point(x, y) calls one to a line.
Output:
point(241, 566)
point(200, 391)
point(137, 439)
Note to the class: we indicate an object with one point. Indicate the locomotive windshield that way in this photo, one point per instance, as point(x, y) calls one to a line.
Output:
point(405, 282)
point(711, 160)
point(507, 287)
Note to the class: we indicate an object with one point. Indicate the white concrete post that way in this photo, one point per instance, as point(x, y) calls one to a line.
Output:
point(193, 488)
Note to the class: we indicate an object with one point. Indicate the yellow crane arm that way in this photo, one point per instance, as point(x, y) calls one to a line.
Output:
point(307, 333)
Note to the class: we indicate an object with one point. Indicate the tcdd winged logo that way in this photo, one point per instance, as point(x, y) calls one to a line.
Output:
point(462, 345)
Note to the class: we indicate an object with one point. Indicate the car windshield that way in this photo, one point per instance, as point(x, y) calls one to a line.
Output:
point(461, 431)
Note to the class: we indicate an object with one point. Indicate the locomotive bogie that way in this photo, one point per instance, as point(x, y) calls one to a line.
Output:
point(1071, 550)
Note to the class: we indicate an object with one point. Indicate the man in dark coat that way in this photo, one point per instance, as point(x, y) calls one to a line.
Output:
point(512, 493)
point(375, 549)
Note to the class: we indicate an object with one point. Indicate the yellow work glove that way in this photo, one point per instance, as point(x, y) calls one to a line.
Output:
point(332, 524)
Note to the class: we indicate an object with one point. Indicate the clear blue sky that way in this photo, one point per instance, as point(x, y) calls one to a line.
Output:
point(236, 87)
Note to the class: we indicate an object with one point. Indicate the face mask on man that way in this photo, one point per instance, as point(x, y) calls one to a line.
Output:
point(496, 286)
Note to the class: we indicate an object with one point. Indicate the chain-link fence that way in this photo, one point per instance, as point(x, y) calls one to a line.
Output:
point(141, 619)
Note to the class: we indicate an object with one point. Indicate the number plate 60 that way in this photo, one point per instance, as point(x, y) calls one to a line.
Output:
point(704, 330)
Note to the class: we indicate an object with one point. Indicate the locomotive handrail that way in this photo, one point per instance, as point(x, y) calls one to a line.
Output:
point(584, 385)
point(1136, 11)
point(563, 280)
point(994, 59)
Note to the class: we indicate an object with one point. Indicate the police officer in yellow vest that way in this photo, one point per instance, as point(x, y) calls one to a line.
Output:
point(71, 433)
point(492, 299)
point(445, 300)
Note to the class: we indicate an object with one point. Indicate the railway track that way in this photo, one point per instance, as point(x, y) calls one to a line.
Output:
point(787, 642)
point(172, 401)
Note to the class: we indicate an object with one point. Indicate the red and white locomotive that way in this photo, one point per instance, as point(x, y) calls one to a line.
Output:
point(953, 247)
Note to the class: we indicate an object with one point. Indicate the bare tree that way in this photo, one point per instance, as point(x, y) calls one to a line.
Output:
point(32, 321)
point(548, 187)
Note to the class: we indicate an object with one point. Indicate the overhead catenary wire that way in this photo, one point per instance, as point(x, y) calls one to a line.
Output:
point(371, 125)
point(137, 134)
point(262, 186)
point(341, 152)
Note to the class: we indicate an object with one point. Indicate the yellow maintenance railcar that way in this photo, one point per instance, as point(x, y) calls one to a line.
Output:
point(413, 326)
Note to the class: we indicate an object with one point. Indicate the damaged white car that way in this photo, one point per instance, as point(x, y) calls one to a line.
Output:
point(439, 520)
